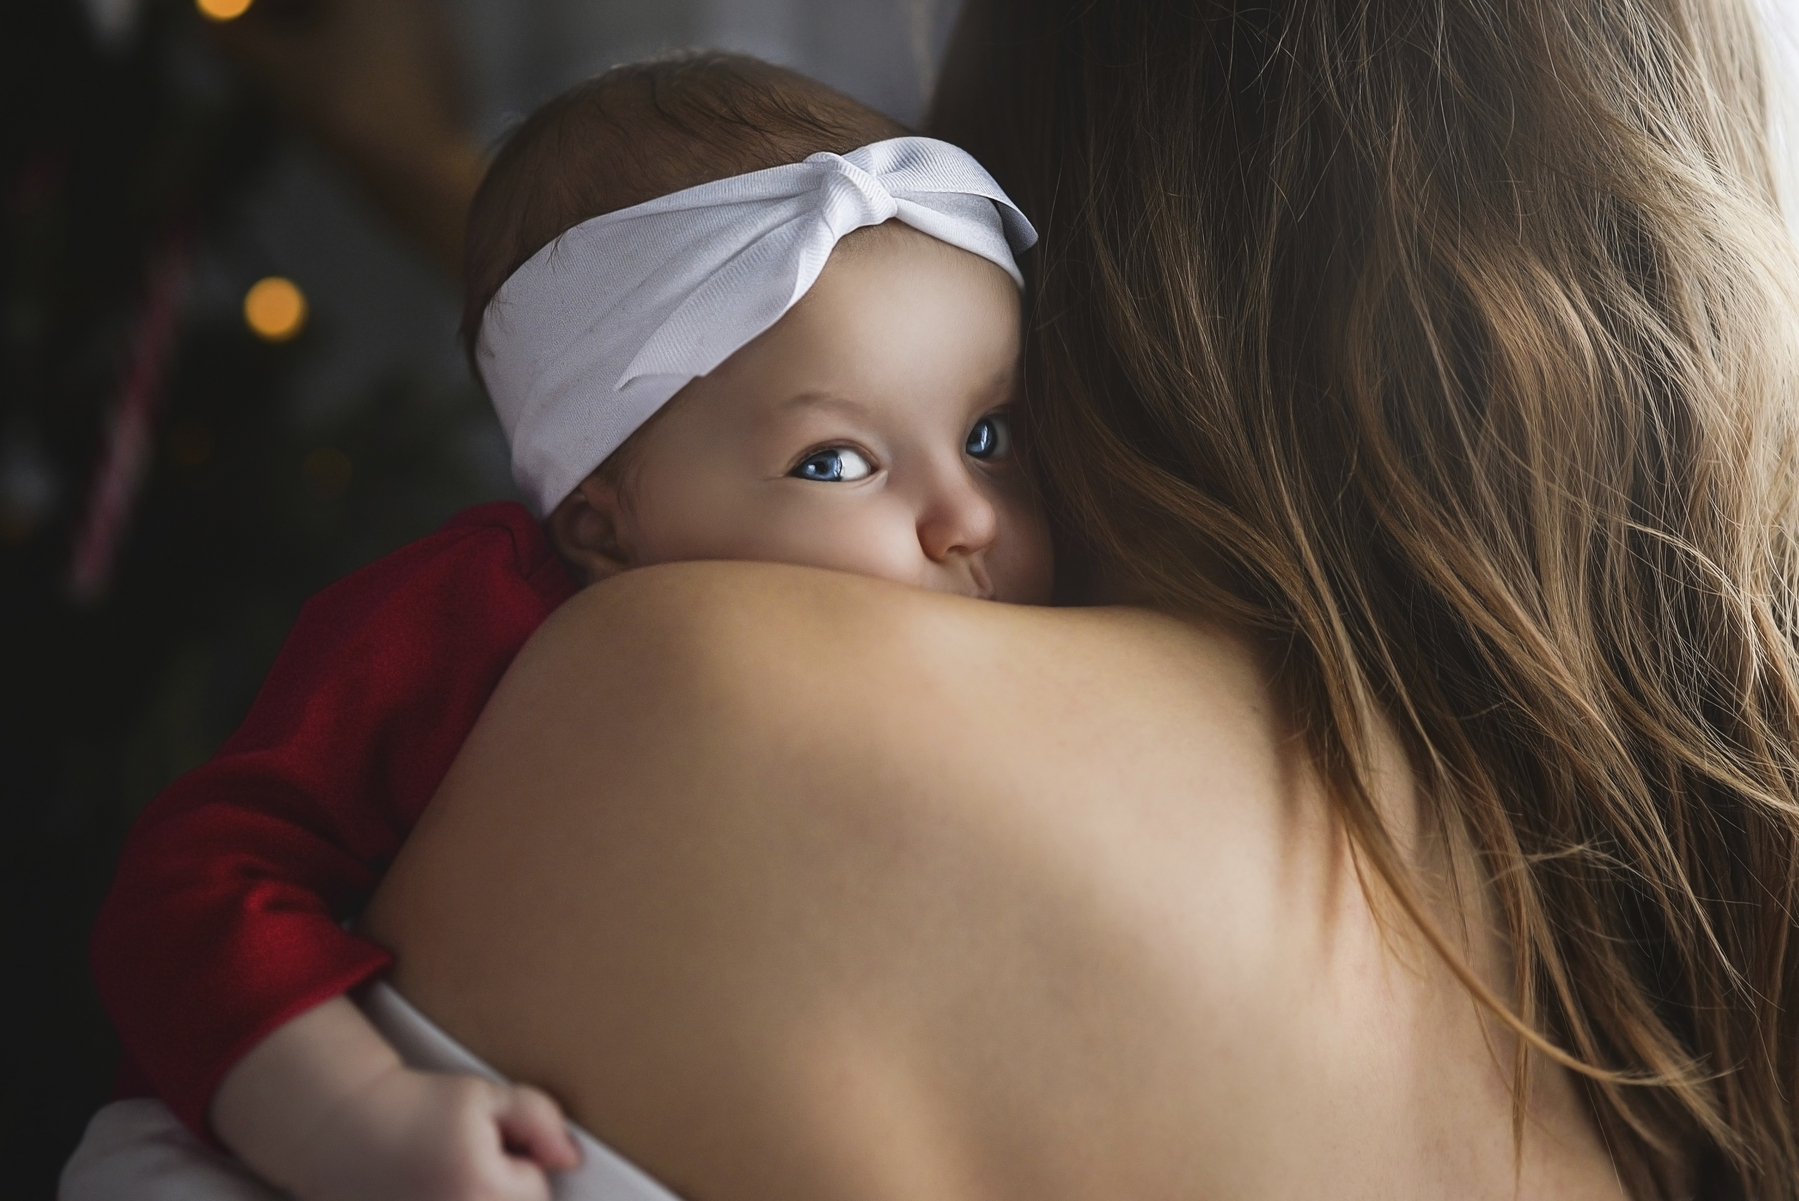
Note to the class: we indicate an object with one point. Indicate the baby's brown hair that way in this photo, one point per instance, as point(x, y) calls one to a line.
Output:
point(638, 132)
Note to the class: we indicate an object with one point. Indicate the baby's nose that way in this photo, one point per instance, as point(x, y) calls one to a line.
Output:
point(957, 520)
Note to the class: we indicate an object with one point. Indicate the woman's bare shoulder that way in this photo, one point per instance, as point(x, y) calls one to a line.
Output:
point(742, 857)
point(750, 820)
point(710, 684)
point(684, 712)
point(768, 634)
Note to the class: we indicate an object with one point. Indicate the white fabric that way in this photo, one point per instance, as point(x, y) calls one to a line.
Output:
point(139, 1151)
point(604, 1174)
point(602, 326)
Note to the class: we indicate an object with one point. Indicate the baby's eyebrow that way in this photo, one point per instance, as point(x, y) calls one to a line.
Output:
point(824, 400)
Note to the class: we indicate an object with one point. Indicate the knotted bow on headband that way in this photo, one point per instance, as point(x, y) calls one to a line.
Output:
point(597, 330)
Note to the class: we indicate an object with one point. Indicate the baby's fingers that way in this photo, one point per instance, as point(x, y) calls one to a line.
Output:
point(532, 1125)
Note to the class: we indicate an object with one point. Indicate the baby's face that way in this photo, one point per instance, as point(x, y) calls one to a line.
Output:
point(870, 430)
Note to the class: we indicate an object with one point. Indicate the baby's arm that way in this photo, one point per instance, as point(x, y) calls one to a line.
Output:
point(324, 1108)
point(223, 925)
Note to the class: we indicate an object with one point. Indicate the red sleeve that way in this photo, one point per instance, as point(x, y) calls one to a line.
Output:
point(224, 918)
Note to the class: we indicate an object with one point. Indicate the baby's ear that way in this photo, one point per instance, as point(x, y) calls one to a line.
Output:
point(585, 529)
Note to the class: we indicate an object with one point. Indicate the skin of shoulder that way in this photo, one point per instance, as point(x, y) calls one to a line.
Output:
point(793, 883)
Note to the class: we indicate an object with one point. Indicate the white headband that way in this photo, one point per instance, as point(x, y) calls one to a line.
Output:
point(590, 337)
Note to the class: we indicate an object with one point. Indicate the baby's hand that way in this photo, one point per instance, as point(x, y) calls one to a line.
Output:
point(437, 1137)
point(324, 1108)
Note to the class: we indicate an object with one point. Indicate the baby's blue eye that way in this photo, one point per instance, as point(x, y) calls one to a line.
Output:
point(991, 438)
point(834, 465)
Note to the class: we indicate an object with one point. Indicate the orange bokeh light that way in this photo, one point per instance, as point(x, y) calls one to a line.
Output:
point(222, 10)
point(275, 309)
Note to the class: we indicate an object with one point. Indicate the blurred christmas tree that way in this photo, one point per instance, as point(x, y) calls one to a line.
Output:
point(161, 515)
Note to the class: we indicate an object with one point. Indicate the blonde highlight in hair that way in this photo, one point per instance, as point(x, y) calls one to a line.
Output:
point(1451, 346)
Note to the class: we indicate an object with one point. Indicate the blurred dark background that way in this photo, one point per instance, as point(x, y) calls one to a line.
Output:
point(228, 375)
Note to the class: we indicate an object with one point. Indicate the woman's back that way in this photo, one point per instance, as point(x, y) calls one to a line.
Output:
point(971, 901)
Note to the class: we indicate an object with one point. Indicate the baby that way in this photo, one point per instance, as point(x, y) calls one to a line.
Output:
point(724, 313)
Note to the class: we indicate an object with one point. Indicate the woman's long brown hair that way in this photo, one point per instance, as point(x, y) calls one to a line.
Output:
point(1450, 345)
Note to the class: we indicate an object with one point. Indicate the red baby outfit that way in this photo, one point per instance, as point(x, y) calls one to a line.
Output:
point(224, 920)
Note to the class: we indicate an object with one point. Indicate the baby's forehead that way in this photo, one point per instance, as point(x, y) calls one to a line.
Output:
point(892, 265)
point(895, 237)
point(889, 235)
point(999, 386)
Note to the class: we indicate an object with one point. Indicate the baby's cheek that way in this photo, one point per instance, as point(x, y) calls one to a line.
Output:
point(861, 538)
point(864, 545)
point(1023, 559)
point(680, 517)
